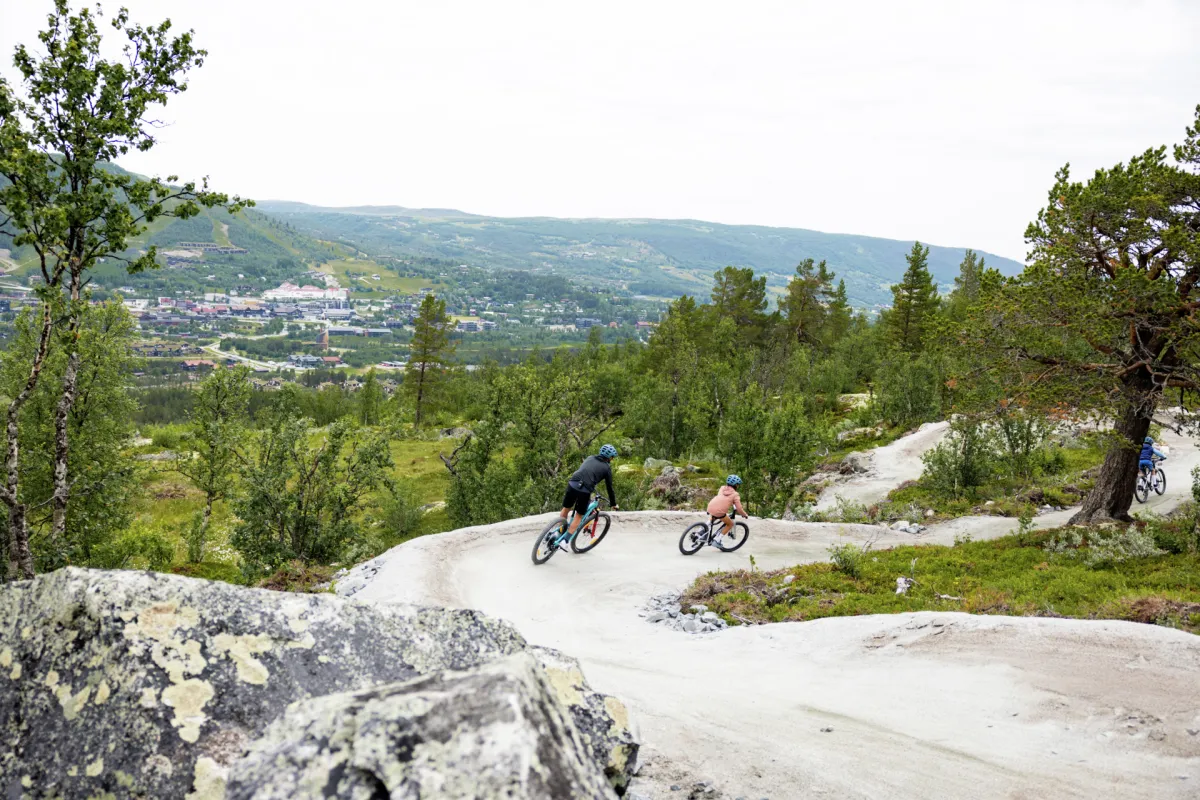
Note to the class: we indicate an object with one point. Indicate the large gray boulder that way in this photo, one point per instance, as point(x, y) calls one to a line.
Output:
point(496, 731)
point(128, 684)
point(602, 720)
point(855, 463)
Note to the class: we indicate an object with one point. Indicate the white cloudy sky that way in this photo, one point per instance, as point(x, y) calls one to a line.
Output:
point(942, 121)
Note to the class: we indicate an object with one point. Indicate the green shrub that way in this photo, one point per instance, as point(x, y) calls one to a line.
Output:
point(137, 547)
point(962, 462)
point(1104, 547)
point(847, 559)
point(167, 437)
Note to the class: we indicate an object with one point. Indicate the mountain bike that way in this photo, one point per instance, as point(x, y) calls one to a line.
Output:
point(1150, 478)
point(701, 533)
point(556, 536)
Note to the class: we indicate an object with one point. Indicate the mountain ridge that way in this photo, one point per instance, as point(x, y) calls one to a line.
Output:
point(654, 256)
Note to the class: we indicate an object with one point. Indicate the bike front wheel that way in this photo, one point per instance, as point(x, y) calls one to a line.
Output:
point(1160, 481)
point(693, 539)
point(737, 538)
point(591, 533)
point(1142, 490)
point(547, 541)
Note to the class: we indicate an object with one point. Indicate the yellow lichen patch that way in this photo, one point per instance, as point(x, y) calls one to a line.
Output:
point(72, 704)
point(616, 709)
point(6, 658)
point(305, 642)
point(51, 679)
point(27, 781)
point(94, 768)
point(179, 658)
point(102, 693)
point(188, 700)
point(72, 772)
point(298, 625)
point(148, 699)
point(16, 672)
point(241, 650)
point(160, 620)
point(566, 685)
point(208, 782)
point(26, 632)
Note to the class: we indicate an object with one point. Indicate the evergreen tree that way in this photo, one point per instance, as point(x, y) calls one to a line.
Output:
point(1103, 317)
point(839, 316)
point(914, 303)
point(739, 296)
point(967, 284)
point(805, 305)
point(370, 399)
point(429, 353)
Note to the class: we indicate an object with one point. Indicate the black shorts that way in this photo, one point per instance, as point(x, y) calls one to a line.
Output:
point(577, 499)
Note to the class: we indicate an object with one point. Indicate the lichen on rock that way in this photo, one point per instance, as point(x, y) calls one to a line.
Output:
point(495, 731)
point(133, 684)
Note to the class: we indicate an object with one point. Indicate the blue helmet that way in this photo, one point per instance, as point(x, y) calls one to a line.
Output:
point(608, 451)
point(733, 480)
point(1148, 440)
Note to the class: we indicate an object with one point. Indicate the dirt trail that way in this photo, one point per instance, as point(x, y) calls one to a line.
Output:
point(891, 465)
point(943, 705)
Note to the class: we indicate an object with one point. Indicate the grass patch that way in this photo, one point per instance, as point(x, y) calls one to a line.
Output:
point(1014, 575)
point(358, 275)
point(1011, 496)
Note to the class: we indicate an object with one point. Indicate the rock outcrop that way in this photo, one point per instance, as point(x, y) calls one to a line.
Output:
point(496, 731)
point(602, 720)
point(130, 684)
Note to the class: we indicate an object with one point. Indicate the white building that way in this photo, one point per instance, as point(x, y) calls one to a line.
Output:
point(291, 293)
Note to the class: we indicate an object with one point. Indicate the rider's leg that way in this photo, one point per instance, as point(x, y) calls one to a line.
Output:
point(727, 525)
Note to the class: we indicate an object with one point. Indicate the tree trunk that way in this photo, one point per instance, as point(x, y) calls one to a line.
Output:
point(1113, 493)
point(20, 559)
point(62, 419)
point(420, 394)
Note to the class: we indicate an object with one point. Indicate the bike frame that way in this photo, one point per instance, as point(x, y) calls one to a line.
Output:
point(566, 536)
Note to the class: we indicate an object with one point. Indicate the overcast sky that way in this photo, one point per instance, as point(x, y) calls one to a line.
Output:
point(942, 121)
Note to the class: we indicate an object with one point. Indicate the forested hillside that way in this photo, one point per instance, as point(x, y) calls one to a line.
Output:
point(655, 257)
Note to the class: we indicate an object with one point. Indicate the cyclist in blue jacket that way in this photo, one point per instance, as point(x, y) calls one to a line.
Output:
point(1149, 453)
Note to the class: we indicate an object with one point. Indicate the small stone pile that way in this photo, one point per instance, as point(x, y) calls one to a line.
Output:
point(666, 610)
point(904, 526)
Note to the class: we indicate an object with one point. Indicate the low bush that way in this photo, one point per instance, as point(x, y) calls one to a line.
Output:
point(847, 559)
point(1014, 575)
point(138, 547)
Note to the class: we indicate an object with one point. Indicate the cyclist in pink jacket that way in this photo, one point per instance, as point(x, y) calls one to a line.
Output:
point(726, 499)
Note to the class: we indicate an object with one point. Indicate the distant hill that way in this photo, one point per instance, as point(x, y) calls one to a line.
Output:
point(653, 257)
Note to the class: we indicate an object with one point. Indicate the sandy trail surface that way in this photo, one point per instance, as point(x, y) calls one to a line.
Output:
point(928, 705)
point(891, 465)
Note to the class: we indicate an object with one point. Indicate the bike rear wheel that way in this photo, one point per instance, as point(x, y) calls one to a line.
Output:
point(591, 534)
point(693, 539)
point(737, 538)
point(545, 547)
point(1141, 491)
point(1160, 481)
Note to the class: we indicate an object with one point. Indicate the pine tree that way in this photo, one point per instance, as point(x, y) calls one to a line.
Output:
point(967, 284)
point(370, 399)
point(429, 353)
point(914, 303)
point(739, 296)
point(839, 316)
point(804, 305)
